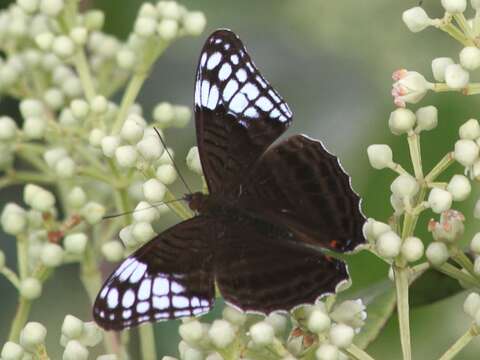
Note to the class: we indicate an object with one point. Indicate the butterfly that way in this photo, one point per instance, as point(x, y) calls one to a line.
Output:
point(268, 210)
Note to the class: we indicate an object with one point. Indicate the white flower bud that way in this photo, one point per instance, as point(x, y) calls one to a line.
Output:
point(126, 59)
point(99, 105)
point(75, 351)
point(114, 357)
point(127, 237)
point(412, 249)
point(75, 243)
point(404, 186)
point(380, 156)
point(234, 316)
point(437, 253)
point(38, 198)
point(154, 191)
point(148, 10)
point(410, 87)
point(193, 354)
point(145, 212)
point(318, 321)
point(150, 147)
point(439, 200)
point(470, 130)
point(54, 98)
point(454, 6)
point(476, 210)
point(76, 198)
point(12, 351)
point(459, 186)
point(51, 255)
point(133, 128)
point(167, 29)
point(416, 19)
point(31, 108)
point(126, 156)
point(194, 22)
point(164, 114)
point(72, 87)
point(475, 244)
point(466, 152)
point(96, 136)
point(456, 77)
point(79, 108)
point(2, 260)
point(221, 333)
point(341, 335)
point(401, 121)
point(327, 352)
point(65, 168)
point(92, 334)
point(8, 128)
point(68, 119)
point(169, 9)
point(30, 288)
point(142, 232)
point(13, 219)
point(262, 333)
point(93, 212)
point(278, 322)
point(94, 19)
point(471, 306)
point(166, 174)
point(388, 245)
point(79, 35)
point(476, 265)
point(34, 128)
point(350, 312)
point(193, 161)
point(72, 327)
point(145, 26)
point(372, 229)
point(51, 7)
point(191, 331)
point(44, 40)
point(63, 46)
point(470, 57)
point(109, 144)
point(427, 118)
point(32, 335)
point(29, 6)
point(112, 251)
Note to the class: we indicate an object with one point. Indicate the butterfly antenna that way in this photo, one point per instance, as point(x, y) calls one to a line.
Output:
point(112, 216)
point(173, 162)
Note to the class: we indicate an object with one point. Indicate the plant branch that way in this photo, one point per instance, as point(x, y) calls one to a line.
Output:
point(463, 341)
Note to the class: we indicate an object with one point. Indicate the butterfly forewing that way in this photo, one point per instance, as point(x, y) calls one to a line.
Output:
point(238, 114)
point(168, 278)
point(299, 184)
point(263, 268)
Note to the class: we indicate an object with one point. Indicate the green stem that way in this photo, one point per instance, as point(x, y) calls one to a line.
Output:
point(454, 32)
point(11, 276)
point(22, 256)
point(177, 207)
point(415, 154)
point(460, 344)
point(20, 319)
point(442, 165)
point(83, 69)
point(147, 342)
point(453, 272)
point(463, 24)
point(357, 354)
point(461, 259)
point(401, 285)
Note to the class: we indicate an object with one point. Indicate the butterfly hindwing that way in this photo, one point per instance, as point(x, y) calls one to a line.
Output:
point(169, 277)
point(263, 268)
point(237, 113)
point(299, 184)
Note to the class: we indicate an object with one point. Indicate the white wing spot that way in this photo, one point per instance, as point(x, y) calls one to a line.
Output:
point(138, 273)
point(128, 298)
point(274, 96)
point(205, 91)
point(234, 59)
point(203, 59)
point(213, 98)
point(197, 311)
point(161, 303)
point(226, 46)
point(214, 60)
point(251, 112)
point(274, 113)
point(161, 316)
point(204, 303)
point(218, 40)
point(261, 81)
point(285, 108)
point(111, 316)
point(264, 104)
point(179, 302)
point(197, 93)
point(142, 307)
point(112, 298)
point(160, 286)
point(124, 265)
point(282, 118)
point(128, 270)
point(182, 313)
point(225, 71)
point(104, 292)
point(145, 289)
point(126, 314)
point(176, 287)
point(250, 67)
point(230, 89)
point(195, 301)
point(238, 103)
point(250, 90)
point(241, 75)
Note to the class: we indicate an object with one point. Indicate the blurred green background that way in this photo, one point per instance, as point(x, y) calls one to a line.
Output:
point(332, 61)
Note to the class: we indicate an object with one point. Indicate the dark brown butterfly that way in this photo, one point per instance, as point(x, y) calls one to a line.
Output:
point(267, 206)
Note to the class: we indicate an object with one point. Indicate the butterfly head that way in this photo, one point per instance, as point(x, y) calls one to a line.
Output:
point(196, 201)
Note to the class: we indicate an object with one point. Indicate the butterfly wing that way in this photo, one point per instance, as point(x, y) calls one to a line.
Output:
point(169, 277)
point(298, 183)
point(237, 113)
point(262, 268)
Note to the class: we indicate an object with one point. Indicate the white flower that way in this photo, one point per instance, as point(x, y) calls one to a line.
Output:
point(167, 29)
point(327, 352)
point(8, 128)
point(169, 9)
point(470, 130)
point(427, 118)
point(410, 87)
point(318, 321)
point(54, 98)
point(401, 121)
point(145, 212)
point(72, 327)
point(30, 288)
point(416, 19)
point(13, 219)
point(372, 229)
point(12, 351)
point(470, 57)
point(450, 228)
point(412, 249)
point(93, 212)
point(182, 116)
point(456, 77)
point(112, 251)
point(33, 335)
point(126, 156)
point(439, 200)
point(76, 198)
point(126, 59)
point(150, 147)
point(194, 22)
point(75, 351)
point(471, 305)
point(99, 105)
point(133, 128)
point(29, 6)
point(459, 186)
point(341, 335)
point(166, 174)
point(476, 265)
point(96, 136)
point(63, 46)
point(234, 316)
point(475, 243)
point(262, 333)
point(79, 108)
point(476, 210)
point(380, 156)
point(38, 198)
point(388, 245)
point(191, 331)
point(51, 255)
point(145, 26)
point(454, 6)
point(154, 191)
point(404, 186)
point(34, 128)
point(148, 10)
point(109, 145)
point(437, 253)
point(51, 7)
point(475, 4)
point(466, 152)
point(92, 334)
point(142, 232)
point(79, 35)
point(164, 114)
point(350, 312)
point(221, 333)
point(44, 40)
point(193, 161)
point(75, 243)
point(65, 168)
